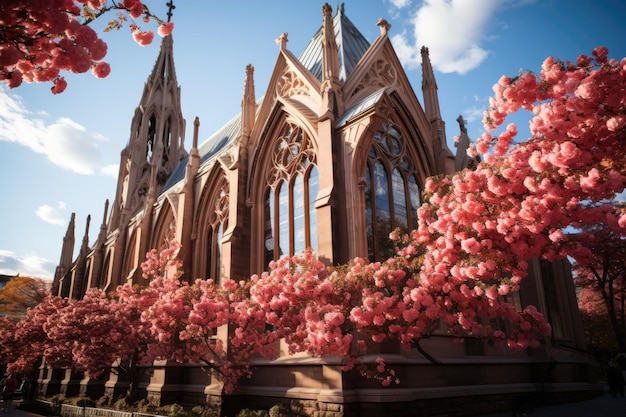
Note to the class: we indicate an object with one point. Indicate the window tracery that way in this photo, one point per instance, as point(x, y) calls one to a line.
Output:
point(218, 221)
point(391, 190)
point(293, 183)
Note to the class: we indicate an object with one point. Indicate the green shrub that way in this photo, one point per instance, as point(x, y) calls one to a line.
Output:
point(280, 410)
point(104, 401)
point(83, 402)
point(197, 411)
point(177, 410)
point(121, 405)
point(145, 406)
point(58, 399)
point(246, 412)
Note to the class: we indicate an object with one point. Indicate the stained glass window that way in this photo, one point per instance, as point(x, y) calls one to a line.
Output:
point(391, 192)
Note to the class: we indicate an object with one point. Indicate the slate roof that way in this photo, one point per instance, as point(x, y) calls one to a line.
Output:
point(351, 45)
point(365, 104)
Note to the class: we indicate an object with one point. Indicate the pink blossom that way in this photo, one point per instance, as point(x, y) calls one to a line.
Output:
point(590, 181)
point(135, 8)
point(471, 245)
point(59, 85)
point(15, 79)
point(601, 53)
point(101, 69)
point(616, 123)
point(165, 29)
point(143, 38)
point(98, 50)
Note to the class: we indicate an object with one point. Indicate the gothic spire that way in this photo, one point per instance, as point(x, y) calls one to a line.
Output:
point(332, 102)
point(429, 88)
point(164, 67)
point(67, 253)
point(248, 102)
point(85, 244)
point(330, 54)
point(66, 260)
point(156, 143)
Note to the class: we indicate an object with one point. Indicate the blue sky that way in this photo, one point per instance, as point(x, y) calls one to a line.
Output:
point(60, 153)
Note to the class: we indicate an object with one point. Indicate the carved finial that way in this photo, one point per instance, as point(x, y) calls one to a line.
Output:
point(196, 128)
point(170, 5)
point(327, 10)
point(282, 41)
point(248, 102)
point(106, 211)
point(384, 26)
point(461, 124)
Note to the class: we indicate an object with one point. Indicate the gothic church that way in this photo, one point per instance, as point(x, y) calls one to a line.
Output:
point(332, 157)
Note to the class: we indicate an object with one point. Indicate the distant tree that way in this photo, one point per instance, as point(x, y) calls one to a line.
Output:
point(600, 268)
point(599, 332)
point(21, 293)
point(41, 39)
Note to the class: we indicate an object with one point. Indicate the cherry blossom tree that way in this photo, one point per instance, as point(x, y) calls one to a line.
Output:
point(30, 340)
point(343, 311)
point(185, 319)
point(7, 333)
point(478, 229)
point(108, 331)
point(101, 333)
point(41, 39)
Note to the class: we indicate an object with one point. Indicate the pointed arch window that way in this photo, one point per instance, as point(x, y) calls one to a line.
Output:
point(293, 184)
point(391, 191)
point(150, 144)
point(167, 141)
point(215, 232)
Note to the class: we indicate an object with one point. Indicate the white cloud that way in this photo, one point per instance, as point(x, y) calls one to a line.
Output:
point(50, 214)
point(476, 111)
point(453, 30)
point(66, 143)
point(400, 3)
point(25, 265)
point(110, 170)
point(474, 114)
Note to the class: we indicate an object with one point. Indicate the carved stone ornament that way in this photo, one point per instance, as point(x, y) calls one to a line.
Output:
point(381, 74)
point(291, 85)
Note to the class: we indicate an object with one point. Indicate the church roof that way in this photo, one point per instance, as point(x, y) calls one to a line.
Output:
point(210, 147)
point(351, 45)
point(363, 105)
